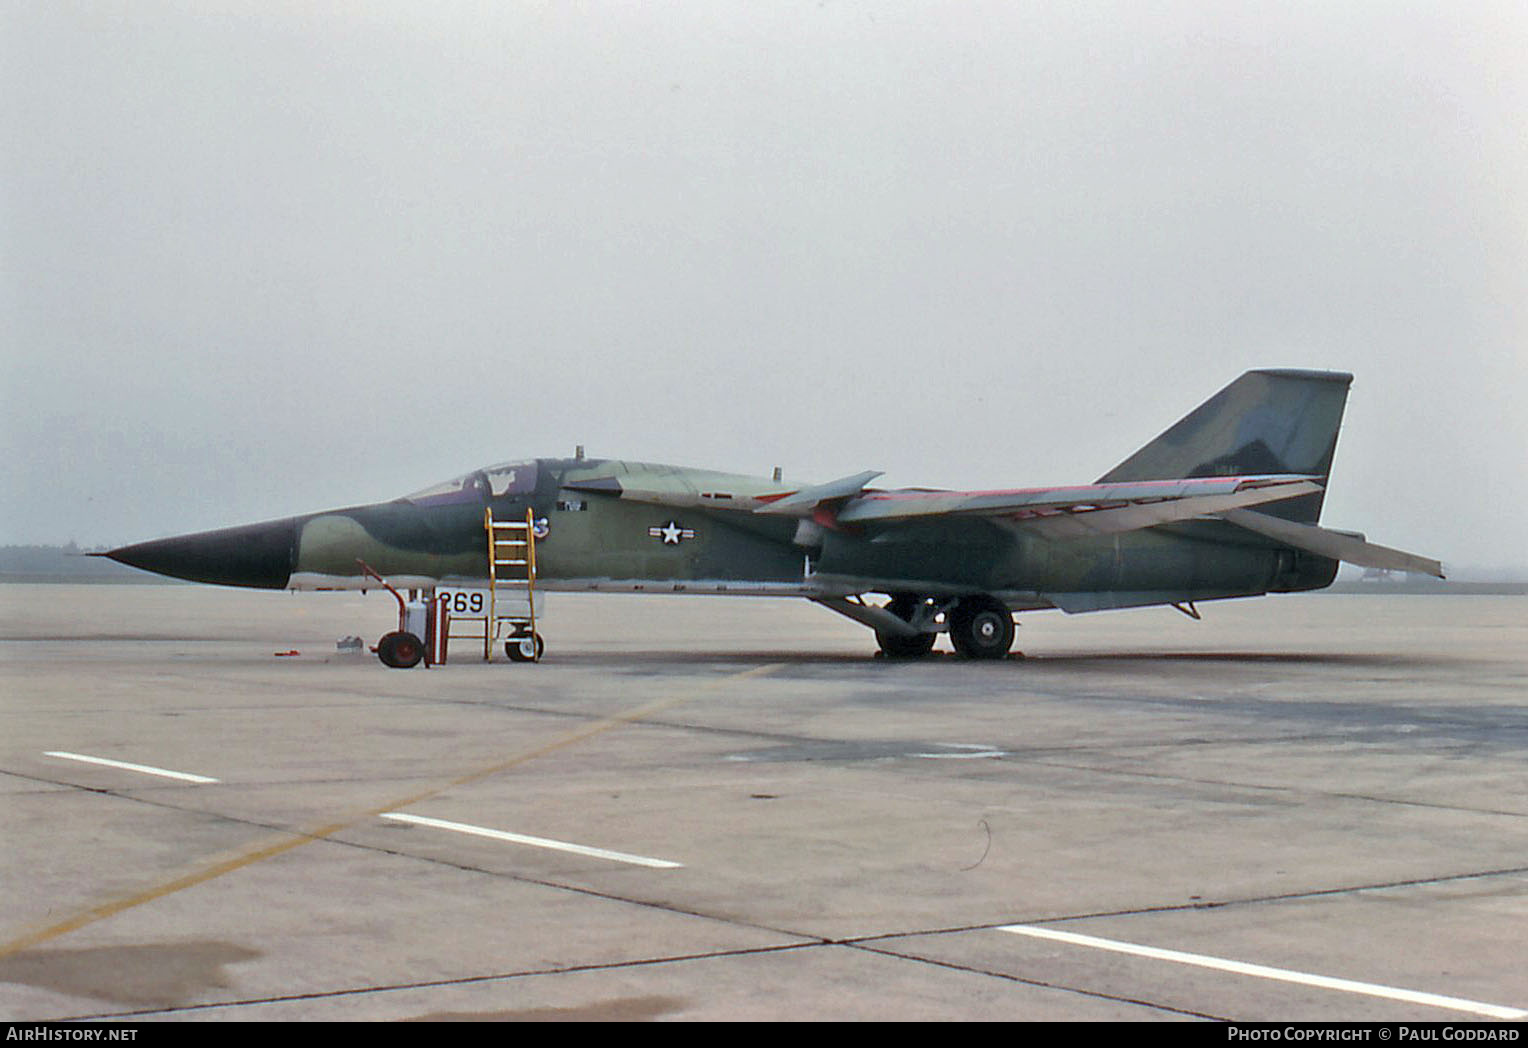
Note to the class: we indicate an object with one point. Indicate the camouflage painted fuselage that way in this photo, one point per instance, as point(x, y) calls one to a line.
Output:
point(634, 527)
point(588, 536)
point(1226, 502)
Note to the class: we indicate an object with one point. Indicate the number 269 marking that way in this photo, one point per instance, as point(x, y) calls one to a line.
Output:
point(464, 603)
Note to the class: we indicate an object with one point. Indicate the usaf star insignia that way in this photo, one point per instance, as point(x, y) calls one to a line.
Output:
point(671, 533)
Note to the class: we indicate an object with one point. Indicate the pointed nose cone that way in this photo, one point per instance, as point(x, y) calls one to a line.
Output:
point(256, 555)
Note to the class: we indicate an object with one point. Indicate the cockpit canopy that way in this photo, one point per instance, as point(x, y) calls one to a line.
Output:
point(507, 478)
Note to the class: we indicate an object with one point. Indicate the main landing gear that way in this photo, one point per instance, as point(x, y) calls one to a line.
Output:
point(980, 626)
point(912, 610)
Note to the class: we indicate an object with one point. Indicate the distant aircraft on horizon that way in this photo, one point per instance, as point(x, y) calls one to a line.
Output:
point(1225, 503)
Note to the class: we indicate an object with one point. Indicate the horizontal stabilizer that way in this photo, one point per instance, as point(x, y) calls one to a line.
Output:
point(1333, 544)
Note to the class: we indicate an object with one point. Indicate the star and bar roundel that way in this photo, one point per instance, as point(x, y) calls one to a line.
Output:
point(672, 533)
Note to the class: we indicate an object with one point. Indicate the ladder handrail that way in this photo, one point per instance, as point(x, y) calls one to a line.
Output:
point(498, 544)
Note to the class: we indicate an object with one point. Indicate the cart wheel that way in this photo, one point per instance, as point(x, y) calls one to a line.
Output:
point(400, 650)
point(525, 649)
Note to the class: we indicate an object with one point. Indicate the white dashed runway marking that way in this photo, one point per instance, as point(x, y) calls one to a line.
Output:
point(535, 842)
point(1458, 1004)
point(164, 773)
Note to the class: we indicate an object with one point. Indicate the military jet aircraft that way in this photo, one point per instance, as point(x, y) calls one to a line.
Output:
point(1225, 503)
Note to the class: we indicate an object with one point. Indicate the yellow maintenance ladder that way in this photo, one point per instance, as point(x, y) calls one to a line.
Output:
point(512, 586)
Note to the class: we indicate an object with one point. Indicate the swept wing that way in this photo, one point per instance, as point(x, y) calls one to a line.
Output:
point(1075, 511)
point(1082, 510)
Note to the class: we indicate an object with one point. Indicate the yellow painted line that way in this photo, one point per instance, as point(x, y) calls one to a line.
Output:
point(239, 860)
point(270, 848)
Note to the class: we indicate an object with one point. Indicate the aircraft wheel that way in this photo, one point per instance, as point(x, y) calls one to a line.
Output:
point(981, 627)
point(524, 649)
point(400, 650)
point(895, 646)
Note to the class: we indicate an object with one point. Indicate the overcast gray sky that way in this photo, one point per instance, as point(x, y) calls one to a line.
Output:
point(266, 258)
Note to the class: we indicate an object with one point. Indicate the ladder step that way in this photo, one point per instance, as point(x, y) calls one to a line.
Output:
point(512, 594)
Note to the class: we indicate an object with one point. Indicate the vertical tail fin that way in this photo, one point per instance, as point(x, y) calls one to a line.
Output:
point(1273, 421)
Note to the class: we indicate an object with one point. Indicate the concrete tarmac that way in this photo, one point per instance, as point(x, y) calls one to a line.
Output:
point(1310, 808)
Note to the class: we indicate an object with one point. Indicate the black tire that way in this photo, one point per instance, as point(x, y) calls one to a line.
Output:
point(400, 651)
point(896, 646)
point(981, 627)
point(516, 653)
